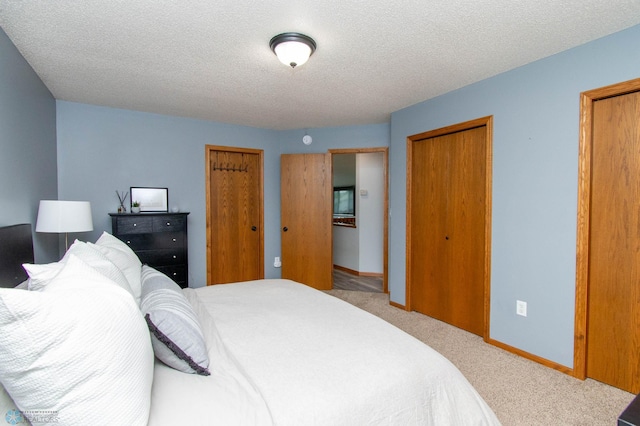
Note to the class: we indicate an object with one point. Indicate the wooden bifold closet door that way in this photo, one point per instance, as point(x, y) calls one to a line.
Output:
point(448, 246)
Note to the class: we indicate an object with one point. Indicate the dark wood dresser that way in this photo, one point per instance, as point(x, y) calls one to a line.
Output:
point(159, 240)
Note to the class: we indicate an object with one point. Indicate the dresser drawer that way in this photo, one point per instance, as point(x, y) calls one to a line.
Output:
point(162, 257)
point(168, 224)
point(168, 240)
point(161, 240)
point(136, 241)
point(133, 225)
point(176, 273)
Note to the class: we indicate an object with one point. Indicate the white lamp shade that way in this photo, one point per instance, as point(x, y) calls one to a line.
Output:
point(292, 53)
point(64, 216)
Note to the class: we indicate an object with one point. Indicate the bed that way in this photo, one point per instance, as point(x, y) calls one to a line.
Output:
point(267, 352)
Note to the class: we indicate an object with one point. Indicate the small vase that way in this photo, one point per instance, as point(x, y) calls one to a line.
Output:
point(135, 209)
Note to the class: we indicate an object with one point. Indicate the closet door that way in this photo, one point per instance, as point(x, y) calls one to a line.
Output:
point(467, 235)
point(447, 216)
point(234, 215)
point(613, 348)
point(430, 227)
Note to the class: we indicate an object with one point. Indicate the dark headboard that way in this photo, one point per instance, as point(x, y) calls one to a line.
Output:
point(16, 248)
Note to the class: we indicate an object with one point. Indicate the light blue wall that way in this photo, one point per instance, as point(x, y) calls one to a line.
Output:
point(28, 144)
point(324, 139)
point(101, 150)
point(535, 178)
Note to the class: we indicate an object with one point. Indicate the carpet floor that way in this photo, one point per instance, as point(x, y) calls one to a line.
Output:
point(521, 392)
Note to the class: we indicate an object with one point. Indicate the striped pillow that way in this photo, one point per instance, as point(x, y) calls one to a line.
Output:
point(176, 335)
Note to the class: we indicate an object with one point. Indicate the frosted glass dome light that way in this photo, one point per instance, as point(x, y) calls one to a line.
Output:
point(293, 49)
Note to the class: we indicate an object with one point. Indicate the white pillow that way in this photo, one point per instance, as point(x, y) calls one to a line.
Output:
point(176, 334)
point(124, 258)
point(79, 348)
point(41, 274)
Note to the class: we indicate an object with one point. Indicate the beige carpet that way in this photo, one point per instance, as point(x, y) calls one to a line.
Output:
point(520, 392)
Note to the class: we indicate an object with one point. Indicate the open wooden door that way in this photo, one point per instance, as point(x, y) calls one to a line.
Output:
point(306, 192)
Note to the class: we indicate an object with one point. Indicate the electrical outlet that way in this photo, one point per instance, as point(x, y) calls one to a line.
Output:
point(521, 308)
point(276, 262)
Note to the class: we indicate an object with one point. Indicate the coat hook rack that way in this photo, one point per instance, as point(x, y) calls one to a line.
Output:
point(230, 167)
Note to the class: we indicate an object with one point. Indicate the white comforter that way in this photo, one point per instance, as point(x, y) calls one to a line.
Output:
point(282, 353)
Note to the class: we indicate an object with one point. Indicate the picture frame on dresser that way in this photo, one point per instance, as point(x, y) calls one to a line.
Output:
point(150, 199)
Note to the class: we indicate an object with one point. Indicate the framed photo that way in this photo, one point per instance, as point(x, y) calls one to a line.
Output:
point(150, 199)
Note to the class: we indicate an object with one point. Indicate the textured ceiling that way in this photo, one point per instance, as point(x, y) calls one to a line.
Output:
point(211, 59)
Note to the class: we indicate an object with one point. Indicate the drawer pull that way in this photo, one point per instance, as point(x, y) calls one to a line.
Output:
point(128, 242)
point(135, 224)
point(174, 240)
point(175, 257)
point(175, 274)
point(168, 223)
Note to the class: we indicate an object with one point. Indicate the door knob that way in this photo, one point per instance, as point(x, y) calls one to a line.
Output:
point(253, 228)
point(446, 237)
point(285, 229)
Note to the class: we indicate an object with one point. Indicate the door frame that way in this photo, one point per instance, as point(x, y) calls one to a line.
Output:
point(584, 216)
point(217, 148)
point(385, 230)
point(487, 122)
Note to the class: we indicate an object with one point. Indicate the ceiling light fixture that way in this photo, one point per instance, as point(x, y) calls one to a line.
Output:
point(292, 49)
